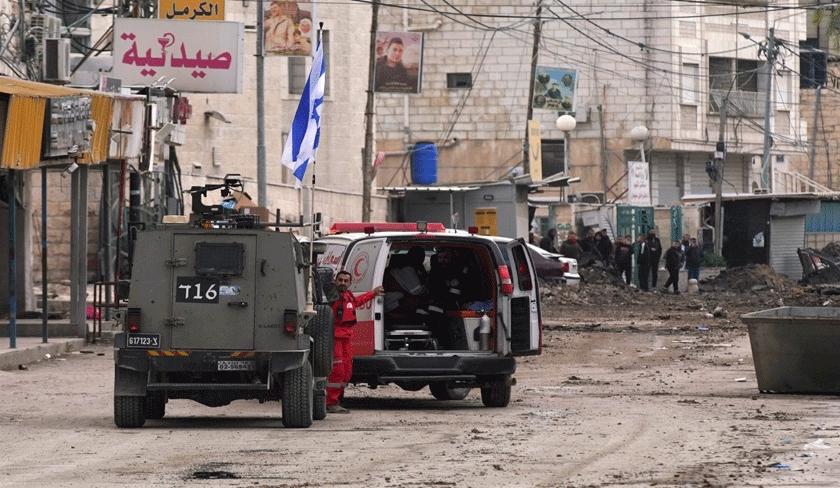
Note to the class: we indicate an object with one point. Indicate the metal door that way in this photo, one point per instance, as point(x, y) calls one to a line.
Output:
point(524, 314)
point(786, 235)
point(485, 220)
point(634, 221)
point(213, 291)
point(365, 262)
point(676, 223)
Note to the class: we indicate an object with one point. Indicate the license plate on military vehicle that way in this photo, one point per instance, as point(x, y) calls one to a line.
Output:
point(227, 365)
point(143, 341)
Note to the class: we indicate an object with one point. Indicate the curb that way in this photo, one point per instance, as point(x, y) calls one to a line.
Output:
point(12, 358)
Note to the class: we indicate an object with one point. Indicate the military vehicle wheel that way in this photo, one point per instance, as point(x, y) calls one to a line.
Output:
point(442, 391)
point(319, 403)
point(129, 411)
point(297, 397)
point(320, 328)
point(497, 394)
point(155, 405)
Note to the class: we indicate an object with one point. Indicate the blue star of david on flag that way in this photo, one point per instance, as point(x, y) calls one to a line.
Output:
point(302, 143)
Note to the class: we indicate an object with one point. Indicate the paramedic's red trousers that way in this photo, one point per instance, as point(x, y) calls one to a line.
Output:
point(342, 369)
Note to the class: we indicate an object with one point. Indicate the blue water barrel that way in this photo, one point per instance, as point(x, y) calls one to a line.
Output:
point(424, 161)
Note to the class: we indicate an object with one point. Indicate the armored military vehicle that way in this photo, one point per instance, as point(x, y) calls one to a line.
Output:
point(216, 313)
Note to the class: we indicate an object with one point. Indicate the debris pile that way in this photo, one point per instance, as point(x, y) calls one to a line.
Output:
point(753, 277)
point(590, 294)
point(832, 249)
point(598, 274)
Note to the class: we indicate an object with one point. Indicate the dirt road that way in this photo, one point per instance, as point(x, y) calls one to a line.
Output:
point(622, 396)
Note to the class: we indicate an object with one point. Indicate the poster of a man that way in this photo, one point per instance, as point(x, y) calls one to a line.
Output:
point(287, 29)
point(399, 62)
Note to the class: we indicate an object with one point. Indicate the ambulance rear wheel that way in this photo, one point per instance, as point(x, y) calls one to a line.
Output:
point(319, 401)
point(497, 393)
point(443, 391)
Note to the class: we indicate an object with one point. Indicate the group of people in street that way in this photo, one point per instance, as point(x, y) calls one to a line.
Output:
point(684, 254)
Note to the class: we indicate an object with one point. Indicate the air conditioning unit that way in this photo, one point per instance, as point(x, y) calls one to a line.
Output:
point(46, 26)
point(56, 60)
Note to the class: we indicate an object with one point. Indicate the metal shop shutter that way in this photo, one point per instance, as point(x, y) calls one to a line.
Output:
point(664, 181)
point(786, 235)
point(697, 180)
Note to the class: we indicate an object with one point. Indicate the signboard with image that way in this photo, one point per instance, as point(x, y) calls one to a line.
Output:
point(554, 89)
point(399, 62)
point(288, 28)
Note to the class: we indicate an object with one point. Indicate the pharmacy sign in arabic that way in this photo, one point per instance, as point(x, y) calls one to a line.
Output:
point(191, 9)
point(200, 57)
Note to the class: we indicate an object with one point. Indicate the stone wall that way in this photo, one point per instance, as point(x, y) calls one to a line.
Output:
point(58, 224)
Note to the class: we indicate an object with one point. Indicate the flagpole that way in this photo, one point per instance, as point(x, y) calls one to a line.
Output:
point(262, 197)
point(310, 306)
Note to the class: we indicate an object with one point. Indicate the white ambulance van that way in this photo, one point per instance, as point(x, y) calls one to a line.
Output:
point(454, 315)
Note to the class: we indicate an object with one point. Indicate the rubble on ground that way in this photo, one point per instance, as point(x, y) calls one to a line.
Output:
point(832, 249)
point(753, 277)
point(598, 274)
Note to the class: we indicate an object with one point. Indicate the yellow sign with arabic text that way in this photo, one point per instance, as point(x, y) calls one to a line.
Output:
point(191, 9)
point(535, 150)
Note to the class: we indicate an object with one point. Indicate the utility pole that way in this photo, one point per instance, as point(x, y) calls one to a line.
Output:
point(720, 160)
point(813, 149)
point(367, 154)
point(262, 188)
point(766, 173)
point(22, 34)
point(535, 50)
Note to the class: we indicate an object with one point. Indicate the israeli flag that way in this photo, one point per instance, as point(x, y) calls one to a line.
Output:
point(303, 139)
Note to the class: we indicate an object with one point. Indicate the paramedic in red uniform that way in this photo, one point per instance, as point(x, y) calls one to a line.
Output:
point(344, 313)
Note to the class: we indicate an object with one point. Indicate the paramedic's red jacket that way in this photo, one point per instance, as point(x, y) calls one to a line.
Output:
point(348, 303)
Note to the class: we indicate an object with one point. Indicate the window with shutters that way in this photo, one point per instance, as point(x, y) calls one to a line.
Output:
point(690, 77)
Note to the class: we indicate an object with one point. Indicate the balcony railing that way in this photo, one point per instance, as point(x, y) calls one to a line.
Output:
point(744, 103)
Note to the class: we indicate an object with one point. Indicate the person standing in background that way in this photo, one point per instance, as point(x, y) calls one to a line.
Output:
point(642, 250)
point(655, 256)
point(547, 242)
point(570, 247)
point(693, 259)
point(673, 259)
point(624, 258)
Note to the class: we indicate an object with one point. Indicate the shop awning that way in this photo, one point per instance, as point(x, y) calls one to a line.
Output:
point(22, 135)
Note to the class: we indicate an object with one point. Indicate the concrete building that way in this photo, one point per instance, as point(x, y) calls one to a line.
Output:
point(662, 65)
point(220, 148)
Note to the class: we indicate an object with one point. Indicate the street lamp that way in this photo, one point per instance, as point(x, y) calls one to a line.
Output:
point(566, 123)
point(640, 134)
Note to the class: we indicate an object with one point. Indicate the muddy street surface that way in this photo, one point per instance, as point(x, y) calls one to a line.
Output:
point(633, 391)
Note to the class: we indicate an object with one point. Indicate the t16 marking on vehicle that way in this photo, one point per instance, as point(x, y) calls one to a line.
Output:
point(193, 289)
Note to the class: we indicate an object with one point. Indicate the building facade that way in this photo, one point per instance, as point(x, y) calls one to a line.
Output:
point(665, 66)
